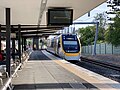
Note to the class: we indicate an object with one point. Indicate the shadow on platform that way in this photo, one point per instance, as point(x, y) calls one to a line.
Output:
point(38, 55)
point(59, 86)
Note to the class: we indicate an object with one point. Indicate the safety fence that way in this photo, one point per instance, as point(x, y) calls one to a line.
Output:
point(103, 48)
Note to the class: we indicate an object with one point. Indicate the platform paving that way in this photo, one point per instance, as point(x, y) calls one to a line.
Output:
point(41, 73)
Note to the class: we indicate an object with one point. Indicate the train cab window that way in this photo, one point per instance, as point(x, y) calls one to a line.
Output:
point(71, 44)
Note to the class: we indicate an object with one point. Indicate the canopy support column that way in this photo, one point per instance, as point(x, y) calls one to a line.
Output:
point(19, 41)
point(24, 44)
point(8, 38)
point(35, 43)
point(0, 37)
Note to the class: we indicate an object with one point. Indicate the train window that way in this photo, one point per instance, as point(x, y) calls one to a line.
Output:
point(69, 37)
point(70, 42)
point(52, 43)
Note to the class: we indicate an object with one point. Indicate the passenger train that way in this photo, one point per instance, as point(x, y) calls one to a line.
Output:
point(67, 46)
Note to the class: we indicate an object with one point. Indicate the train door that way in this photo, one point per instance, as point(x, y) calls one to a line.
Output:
point(58, 46)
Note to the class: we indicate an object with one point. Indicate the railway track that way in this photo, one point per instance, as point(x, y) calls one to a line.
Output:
point(103, 64)
point(103, 68)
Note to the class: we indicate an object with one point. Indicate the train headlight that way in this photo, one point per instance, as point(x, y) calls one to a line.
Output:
point(79, 59)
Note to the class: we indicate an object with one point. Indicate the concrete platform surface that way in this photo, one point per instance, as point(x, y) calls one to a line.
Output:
point(48, 75)
point(52, 73)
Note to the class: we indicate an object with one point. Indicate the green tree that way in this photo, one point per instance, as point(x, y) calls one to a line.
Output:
point(113, 32)
point(87, 35)
point(101, 18)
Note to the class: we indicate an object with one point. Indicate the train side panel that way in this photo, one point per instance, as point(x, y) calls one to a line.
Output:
point(67, 47)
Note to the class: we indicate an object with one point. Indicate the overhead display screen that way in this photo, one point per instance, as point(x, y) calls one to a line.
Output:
point(60, 16)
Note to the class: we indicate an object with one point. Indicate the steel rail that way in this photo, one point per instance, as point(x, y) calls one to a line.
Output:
point(103, 64)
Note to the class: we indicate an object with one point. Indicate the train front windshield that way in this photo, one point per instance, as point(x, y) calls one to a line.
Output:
point(70, 43)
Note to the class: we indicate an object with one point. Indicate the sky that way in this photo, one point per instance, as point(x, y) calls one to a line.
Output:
point(100, 9)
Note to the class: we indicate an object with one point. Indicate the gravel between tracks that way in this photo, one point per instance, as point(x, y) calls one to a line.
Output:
point(111, 59)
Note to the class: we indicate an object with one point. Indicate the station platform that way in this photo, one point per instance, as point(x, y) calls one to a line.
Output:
point(44, 71)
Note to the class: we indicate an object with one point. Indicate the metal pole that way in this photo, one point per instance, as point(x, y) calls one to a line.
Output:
point(105, 48)
point(13, 49)
point(112, 49)
point(74, 30)
point(91, 49)
point(24, 44)
point(19, 41)
point(100, 48)
point(96, 36)
point(36, 43)
point(8, 31)
point(13, 44)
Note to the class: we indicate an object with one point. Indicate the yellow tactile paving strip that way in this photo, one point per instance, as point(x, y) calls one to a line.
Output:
point(99, 81)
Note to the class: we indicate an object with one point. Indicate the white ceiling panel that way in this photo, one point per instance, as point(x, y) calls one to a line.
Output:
point(27, 11)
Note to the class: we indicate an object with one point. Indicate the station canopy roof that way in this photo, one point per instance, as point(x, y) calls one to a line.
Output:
point(31, 13)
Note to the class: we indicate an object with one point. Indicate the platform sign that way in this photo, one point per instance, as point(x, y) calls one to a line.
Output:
point(59, 16)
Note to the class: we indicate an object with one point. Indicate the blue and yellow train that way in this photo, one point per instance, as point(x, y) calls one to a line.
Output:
point(67, 46)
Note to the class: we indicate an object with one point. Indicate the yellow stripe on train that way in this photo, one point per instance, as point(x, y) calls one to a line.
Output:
point(72, 54)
